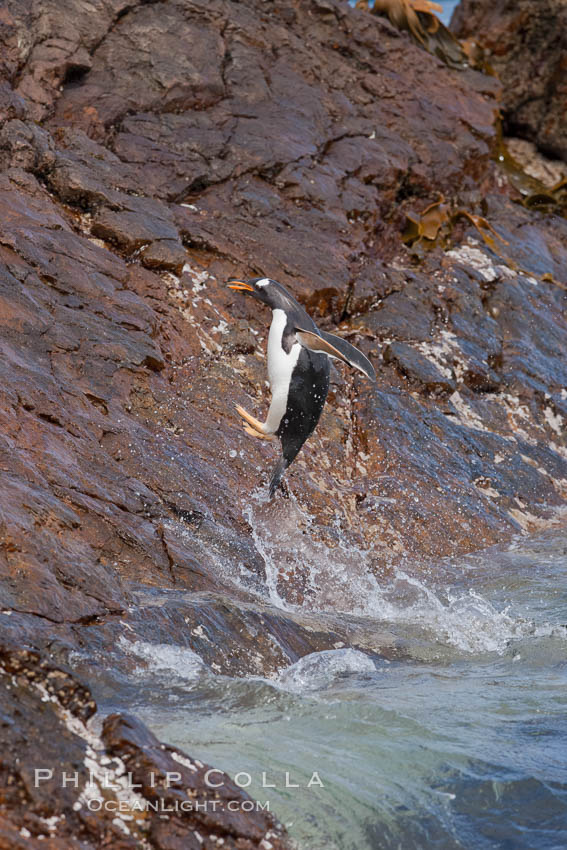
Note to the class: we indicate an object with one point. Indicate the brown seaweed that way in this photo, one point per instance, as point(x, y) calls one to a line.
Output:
point(418, 19)
point(438, 219)
point(535, 193)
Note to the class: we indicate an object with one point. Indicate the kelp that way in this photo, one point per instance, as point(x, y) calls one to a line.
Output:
point(437, 221)
point(535, 194)
point(417, 17)
point(434, 226)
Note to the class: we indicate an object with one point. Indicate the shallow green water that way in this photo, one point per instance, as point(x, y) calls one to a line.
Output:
point(461, 745)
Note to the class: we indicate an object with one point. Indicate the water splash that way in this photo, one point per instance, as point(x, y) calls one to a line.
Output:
point(307, 573)
point(162, 658)
point(320, 669)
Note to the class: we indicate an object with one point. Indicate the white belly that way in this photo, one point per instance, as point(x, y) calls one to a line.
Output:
point(280, 367)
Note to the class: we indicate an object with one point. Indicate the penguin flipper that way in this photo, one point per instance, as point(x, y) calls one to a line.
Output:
point(339, 348)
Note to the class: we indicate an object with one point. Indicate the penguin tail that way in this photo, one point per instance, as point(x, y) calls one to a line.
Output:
point(277, 475)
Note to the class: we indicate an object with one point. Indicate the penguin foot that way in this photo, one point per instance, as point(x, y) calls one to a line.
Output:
point(254, 433)
point(256, 427)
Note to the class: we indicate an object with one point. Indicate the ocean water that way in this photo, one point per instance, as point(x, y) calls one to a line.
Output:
point(458, 741)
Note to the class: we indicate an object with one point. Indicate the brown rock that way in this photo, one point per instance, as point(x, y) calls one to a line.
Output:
point(152, 764)
point(125, 380)
point(130, 229)
point(120, 382)
point(406, 315)
point(132, 777)
point(548, 172)
point(167, 254)
point(26, 146)
point(419, 369)
point(526, 45)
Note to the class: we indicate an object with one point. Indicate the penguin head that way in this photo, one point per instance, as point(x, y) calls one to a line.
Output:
point(264, 289)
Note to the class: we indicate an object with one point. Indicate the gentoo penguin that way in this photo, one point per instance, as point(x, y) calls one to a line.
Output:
point(298, 368)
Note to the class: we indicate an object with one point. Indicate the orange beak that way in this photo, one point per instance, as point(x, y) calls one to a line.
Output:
point(241, 286)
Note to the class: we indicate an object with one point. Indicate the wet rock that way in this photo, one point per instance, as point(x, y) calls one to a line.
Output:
point(405, 315)
point(479, 371)
point(57, 48)
point(26, 146)
point(118, 786)
point(12, 105)
point(526, 46)
point(89, 175)
point(143, 63)
point(548, 172)
point(152, 365)
point(131, 229)
point(171, 779)
point(58, 685)
point(419, 369)
point(167, 254)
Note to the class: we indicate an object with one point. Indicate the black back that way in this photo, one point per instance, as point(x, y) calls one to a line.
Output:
point(306, 398)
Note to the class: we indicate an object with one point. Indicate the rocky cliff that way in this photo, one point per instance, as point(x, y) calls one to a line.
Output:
point(149, 151)
point(526, 44)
